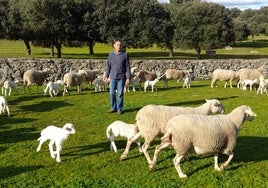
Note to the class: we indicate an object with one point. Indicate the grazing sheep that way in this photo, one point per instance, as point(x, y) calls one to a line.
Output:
point(249, 74)
point(119, 128)
point(90, 75)
point(151, 121)
point(223, 75)
point(8, 85)
point(56, 136)
point(73, 79)
point(175, 75)
point(263, 85)
point(100, 85)
point(205, 134)
point(146, 75)
point(31, 77)
point(187, 81)
point(151, 83)
point(53, 88)
point(4, 106)
point(250, 83)
point(133, 82)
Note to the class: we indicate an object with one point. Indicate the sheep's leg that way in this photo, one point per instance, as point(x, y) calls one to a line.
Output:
point(112, 145)
point(58, 149)
point(225, 85)
point(157, 151)
point(129, 142)
point(9, 91)
point(231, 85)
point(146, 154)
point(40, 144)
point(139, 145)
point(216, 164)
point(176, 162)
point(224, 165)
point(52, 153)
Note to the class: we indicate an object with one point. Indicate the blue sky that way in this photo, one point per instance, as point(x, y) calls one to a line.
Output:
point(240, 4)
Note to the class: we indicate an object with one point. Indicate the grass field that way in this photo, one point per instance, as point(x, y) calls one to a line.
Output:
point(87, 160)
point(245, 49)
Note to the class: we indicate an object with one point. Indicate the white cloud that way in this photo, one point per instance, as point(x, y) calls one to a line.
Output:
point(241, 4)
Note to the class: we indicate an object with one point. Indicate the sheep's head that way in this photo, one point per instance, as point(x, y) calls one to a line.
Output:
point(216, 106)
point(249, 114)
point(69, 127)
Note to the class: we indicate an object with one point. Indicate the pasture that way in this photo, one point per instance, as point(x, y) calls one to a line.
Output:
point(86, 157)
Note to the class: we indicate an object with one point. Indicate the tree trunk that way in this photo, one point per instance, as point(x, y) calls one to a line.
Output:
point(28, 47)
point(91, 47)
point(170, 51)
point(52, 52)
point(58, 46)
point(198, 50)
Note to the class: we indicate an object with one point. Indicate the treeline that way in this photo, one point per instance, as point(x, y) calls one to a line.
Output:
point(188, 24)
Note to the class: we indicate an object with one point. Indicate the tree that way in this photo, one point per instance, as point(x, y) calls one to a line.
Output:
point(201, 25)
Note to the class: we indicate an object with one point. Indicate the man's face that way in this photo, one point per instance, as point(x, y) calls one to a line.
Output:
point(117, 46)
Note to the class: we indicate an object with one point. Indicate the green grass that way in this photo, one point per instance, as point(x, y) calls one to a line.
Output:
point(87, 160)
point(245, 49)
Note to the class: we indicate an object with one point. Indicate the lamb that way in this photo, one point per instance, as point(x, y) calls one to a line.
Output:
point(119, 128)
point(205, 134)
point(151, 83)
point(133, 82)
point(90, 75)
point(31, 77)
point(8, 85)
point(250, 83)
point(223, 75)
point(263, 85)
point(4, 106)
point(151, 121)
point(175, 75)
point(73, 79)
point(100, 85)
point(249, 74)
point(187, 82)
point(53, 88)
point(146, 75)
point(56, 136)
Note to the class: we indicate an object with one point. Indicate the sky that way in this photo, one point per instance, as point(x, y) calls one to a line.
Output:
point(240, 4)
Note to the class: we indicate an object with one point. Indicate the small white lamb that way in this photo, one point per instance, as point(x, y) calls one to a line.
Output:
point(53, 88)
point(187, 82)
point(119, 128)
point(151, 83)
point(100, 85)
point(56, 136)
point(8, 85)
point(133, 82)
point(4, 106)
point(245, 83)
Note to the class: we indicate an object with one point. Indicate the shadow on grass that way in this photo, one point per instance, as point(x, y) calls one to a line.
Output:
point(12, 120)
point(18, 135)
point(9, 171)
point(45, 106)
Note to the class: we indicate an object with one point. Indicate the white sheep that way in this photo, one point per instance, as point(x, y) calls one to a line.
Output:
point(133, 82)
point(151, 121)
point(145, 75)
point(4, 106)
point(119, 128)
point(249, 74)
point(175, 75)
point(56, 136)
point(151, 83)
point(73, 79)
point(35, 77)
point(187, 81)
point(53, 87)
point(245, 83)
point(223, 75)
point(90, 75)
point(204, 134)
point(9, 85)
point(263, 85)
point(100, 85)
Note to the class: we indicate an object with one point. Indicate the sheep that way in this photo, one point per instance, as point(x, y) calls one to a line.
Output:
point(151, 121)
point(8, 85)
point(223, 75)
point(133, 82)
point(100, 85)
point(4, 106)
point(250, 83)
point(34, 77)
point(90, 75)
point(146, 75)
point(249, 74)
point(151, 83)
point(53, 88)
point(56, 136)
point(263, 85)
point(73, 79)
point(175, 75)
point(204, 134)
point(119, 128)
point(187, 82)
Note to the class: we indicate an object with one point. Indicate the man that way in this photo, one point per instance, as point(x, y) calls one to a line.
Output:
point(118, 73)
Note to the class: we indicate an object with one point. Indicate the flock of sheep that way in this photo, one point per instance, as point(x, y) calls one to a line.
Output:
point(185, 129)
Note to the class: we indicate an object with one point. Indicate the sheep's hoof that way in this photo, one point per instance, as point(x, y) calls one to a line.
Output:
point(151, 166)
point(122, 157)
point(183, 176)
point(58, 160)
